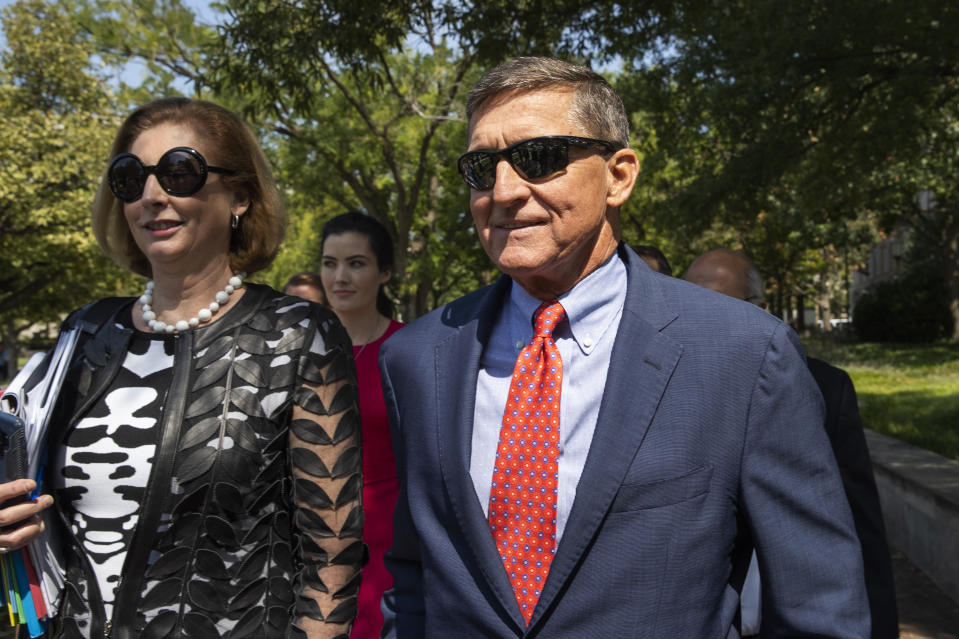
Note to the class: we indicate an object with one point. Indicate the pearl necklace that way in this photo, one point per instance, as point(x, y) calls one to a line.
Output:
point(204, 315)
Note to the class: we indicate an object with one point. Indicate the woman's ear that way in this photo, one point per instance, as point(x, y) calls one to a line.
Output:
point(385, 275)
point(240, 203)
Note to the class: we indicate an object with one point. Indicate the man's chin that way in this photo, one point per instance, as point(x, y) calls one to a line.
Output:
point(542, 283)
point(516, 258)
point(521, 268)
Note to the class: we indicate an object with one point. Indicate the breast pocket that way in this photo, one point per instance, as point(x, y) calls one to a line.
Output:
point(664, 492)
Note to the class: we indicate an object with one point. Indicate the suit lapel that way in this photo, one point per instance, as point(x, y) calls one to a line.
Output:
point(457, 361)
point(642, 361)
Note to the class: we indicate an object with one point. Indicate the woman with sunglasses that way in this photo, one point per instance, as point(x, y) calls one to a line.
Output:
point(204, 457)
point(357, 264)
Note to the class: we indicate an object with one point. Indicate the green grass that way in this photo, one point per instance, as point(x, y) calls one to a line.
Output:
point(908, 391)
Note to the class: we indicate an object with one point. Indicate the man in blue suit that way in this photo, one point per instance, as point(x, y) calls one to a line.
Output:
point(689, 427)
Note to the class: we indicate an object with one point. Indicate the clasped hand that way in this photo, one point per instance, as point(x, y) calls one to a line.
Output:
point(20, 523)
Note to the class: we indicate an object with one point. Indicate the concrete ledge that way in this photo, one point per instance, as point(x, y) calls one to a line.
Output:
point(919, 493)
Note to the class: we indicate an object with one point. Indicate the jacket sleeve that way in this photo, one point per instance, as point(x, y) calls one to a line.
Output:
point(809, 557)
point(327, 485)
point(403, 605)
point(852, 454)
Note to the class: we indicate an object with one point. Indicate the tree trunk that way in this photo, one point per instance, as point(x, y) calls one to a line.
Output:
point(824, 310)
point(422, 300)
point(779, 299)
point(11, 352)
point(950, 274)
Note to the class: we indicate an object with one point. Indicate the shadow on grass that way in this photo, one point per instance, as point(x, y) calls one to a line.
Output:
point(928, 420)
point(843, 353)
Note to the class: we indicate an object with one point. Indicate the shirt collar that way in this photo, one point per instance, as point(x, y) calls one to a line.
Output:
point(592, 307)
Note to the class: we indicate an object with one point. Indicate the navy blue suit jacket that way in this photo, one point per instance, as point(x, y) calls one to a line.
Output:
point(844, 428)
point(709, 439)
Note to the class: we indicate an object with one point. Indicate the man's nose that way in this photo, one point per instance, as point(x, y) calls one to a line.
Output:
point(509, 185)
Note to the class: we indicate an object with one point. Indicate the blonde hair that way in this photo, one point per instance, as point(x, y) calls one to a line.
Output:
point(256, 241)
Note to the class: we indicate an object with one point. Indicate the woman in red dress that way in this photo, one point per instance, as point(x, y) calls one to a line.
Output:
point(357, 262)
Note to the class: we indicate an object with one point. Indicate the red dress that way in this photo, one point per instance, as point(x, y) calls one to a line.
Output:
point(380, 487)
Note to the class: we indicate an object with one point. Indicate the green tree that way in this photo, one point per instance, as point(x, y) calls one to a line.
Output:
point(757, 98)
point(370, 96)
point(382, 151)
point(925, 194)
point(352, 115)
point(164, 37)
point(57, 125)
point(760, 125)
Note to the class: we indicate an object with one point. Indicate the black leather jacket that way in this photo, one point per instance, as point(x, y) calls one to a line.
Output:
point(251, 518)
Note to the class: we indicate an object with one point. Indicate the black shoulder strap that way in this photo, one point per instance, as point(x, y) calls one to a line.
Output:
point(88, 319)
point(92, 316)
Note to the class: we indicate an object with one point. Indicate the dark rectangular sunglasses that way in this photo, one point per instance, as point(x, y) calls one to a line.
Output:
point(533, 159)
point(181, 171)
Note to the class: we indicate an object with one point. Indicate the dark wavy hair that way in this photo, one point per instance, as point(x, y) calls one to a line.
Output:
point(381, 243)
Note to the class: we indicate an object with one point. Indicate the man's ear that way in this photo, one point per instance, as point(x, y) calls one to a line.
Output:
point(623, 168)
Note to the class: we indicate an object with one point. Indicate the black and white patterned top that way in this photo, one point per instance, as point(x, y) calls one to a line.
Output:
point(209, 483)
point(102, 469)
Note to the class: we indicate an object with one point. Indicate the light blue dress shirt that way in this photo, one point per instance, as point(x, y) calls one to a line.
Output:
point(585, 341)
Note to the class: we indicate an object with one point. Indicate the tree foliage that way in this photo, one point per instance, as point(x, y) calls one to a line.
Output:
point(161, 38)
point(795, 132)
point(910, 308)
point(800, 111)
point(369, 98)
point(57, 125)
point(926, 197)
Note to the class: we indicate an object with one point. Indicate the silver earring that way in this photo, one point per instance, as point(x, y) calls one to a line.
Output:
point(234, 221)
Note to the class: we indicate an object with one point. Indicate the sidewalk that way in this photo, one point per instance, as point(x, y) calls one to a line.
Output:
point(924, 611)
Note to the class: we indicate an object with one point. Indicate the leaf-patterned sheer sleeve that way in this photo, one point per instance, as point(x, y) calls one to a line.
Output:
point(327, 486)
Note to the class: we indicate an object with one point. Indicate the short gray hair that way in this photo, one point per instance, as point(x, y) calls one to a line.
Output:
point(597, 109)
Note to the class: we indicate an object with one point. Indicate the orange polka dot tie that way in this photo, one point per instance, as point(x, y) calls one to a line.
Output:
point(522, 503)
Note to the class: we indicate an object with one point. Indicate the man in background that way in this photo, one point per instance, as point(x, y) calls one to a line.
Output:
point(732, 273)
point(654, 258)
point(306, 285)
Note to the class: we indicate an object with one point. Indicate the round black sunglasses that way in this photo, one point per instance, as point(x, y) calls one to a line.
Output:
point(533, 159)
point(181, 171)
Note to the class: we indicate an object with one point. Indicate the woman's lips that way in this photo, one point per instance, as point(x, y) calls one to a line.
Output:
point(162, 228)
